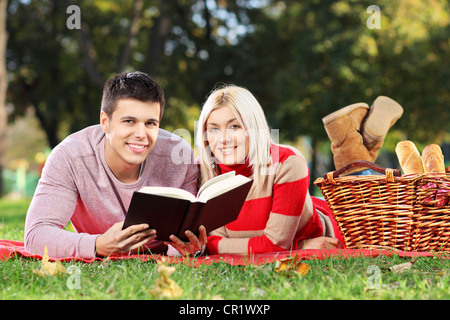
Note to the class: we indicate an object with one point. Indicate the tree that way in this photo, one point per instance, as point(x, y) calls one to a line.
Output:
point(3, 84)
point(307, 59)
point(43, 63)
point(302, 59)
point(61, 71)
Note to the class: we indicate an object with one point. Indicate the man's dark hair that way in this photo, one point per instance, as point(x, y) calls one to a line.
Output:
point(131, 85)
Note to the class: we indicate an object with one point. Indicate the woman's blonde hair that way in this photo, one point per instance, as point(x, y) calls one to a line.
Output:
point(251, 116)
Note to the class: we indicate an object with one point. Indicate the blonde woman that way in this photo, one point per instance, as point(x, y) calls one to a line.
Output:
point(279, 213)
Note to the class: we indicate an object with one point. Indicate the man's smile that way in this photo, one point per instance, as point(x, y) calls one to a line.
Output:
point(138, 148)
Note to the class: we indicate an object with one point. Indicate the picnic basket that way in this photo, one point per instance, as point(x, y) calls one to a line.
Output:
point(431, 230)
point(404, 212)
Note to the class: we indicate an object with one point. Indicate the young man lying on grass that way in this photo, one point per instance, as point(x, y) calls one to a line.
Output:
point(90, 177)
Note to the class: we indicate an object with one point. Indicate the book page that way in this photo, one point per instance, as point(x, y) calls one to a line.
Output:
point(222, 186)
point(215, 180)
point(169, 192)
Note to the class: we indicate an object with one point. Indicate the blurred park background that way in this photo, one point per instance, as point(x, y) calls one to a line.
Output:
point(301, 59)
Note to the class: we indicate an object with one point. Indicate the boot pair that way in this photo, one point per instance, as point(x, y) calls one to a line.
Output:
point(357, 132)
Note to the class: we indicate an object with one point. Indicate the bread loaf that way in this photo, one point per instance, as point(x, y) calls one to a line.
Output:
point(433, 159)
point(409, 157)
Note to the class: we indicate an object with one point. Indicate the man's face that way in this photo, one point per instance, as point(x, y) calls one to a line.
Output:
point(131, 133)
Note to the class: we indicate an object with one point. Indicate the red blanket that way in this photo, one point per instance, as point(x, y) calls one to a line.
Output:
point(10, 248)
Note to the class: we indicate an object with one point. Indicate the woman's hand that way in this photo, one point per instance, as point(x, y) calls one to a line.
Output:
point(195, 245)
point(321, 243)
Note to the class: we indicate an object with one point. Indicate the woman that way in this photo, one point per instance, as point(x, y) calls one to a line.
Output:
point(279, 213)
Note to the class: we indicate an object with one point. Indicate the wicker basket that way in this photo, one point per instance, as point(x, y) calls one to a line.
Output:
point(410, 212)
point(431, 230)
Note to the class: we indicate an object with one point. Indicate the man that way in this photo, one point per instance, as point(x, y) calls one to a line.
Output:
point(90, 177)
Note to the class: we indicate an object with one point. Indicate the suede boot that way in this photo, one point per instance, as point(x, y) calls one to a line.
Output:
point(343, 128)
point(383, 113)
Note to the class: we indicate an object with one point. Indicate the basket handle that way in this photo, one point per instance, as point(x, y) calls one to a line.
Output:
point(363, 165)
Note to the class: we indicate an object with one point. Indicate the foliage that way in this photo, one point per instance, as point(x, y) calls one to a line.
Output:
point(43, 64)
point(25, 142)
point(303, 60)
point(317, 56)
point(61, 71)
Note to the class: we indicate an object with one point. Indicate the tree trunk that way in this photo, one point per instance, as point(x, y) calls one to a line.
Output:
point(3, 85)
point(132, 33)
point(158, 35)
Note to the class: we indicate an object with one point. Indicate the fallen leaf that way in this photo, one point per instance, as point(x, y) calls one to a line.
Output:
point(441, 273)
point(292, 264)
point(49, 268)
point(286, 263)
point(400, 267)
point(165, 286)
point(303, 268)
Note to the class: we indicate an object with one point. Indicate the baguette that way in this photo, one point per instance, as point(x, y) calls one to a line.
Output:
point(409, 157)
point(433, 159)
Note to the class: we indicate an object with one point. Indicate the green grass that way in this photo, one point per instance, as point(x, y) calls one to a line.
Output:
point(429, 278)
point(12, 218)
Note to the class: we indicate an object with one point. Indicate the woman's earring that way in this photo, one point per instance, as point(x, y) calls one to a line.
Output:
point(213, 160)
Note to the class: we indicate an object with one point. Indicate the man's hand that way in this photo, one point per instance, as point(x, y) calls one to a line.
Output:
point(193, 246)
point(116, 240)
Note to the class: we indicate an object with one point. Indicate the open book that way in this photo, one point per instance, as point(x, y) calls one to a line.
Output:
point(173, 211)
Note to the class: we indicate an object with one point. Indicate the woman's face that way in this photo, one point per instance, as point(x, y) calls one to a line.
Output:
point(227, 139)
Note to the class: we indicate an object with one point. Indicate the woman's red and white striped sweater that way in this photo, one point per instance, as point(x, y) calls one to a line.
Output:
point(280, 214)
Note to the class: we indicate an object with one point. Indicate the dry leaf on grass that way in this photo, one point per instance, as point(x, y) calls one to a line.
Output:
point(165, 286)
point(292, 264)
point(49, 268)
point(398, 268)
